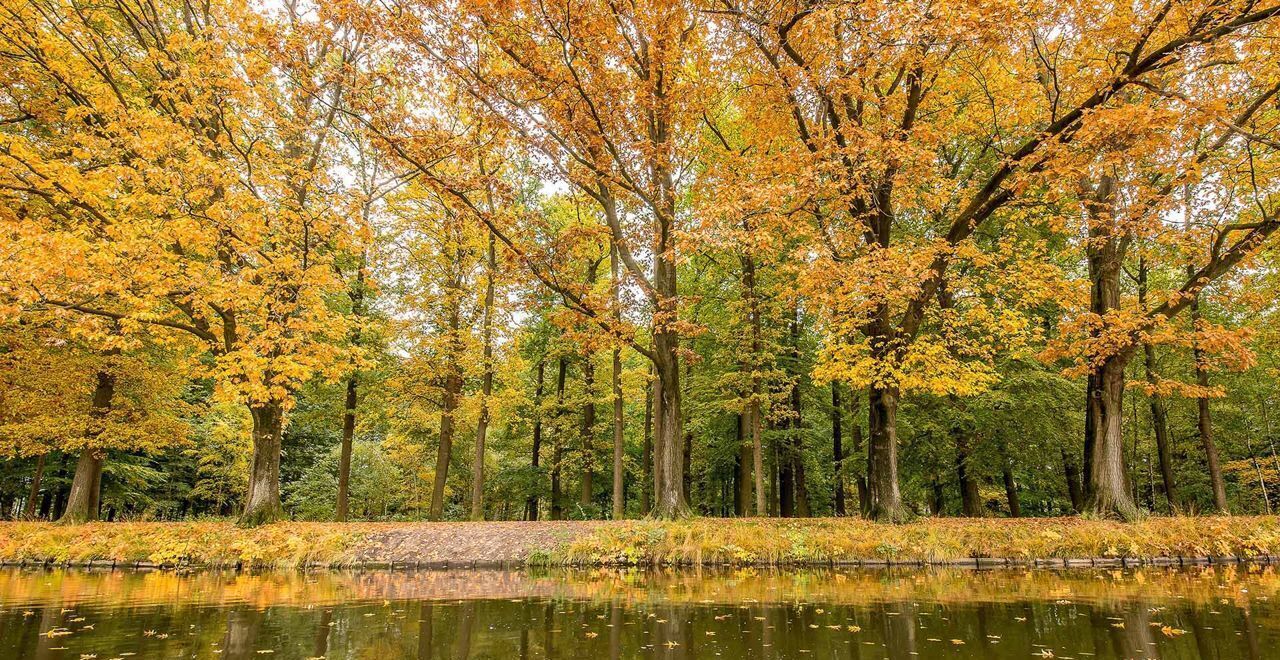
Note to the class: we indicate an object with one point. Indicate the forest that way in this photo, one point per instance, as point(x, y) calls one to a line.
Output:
point(593, 259)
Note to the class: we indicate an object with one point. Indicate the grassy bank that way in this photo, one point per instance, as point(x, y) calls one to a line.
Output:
point(698, 541)
point(281, 545)
point(821, 541)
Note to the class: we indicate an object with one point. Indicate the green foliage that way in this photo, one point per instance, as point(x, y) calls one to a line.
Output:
point(377, 490)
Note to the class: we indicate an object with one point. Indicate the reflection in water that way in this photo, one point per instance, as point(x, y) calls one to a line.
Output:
point(902, 615)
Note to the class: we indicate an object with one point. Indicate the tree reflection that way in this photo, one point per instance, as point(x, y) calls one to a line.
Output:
point(242, 633)
point(425, 615)
point(771, 618)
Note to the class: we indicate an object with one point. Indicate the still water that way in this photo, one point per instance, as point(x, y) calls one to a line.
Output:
point(1206, 612)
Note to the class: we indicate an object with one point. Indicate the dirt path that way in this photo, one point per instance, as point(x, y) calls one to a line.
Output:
point(467, 543)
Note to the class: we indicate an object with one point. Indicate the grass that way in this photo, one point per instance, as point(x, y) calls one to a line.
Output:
point(694, 541)
point(282, 545)
point(821, 541)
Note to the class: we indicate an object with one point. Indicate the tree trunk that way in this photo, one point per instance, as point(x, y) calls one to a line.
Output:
point(1159, 413)
point(882, 454)
point(263, 503)
point(686, 460)
point(452, 377)
point(557, 451)
point(773, 475)
point(1011, 490)
point(86, 486)
point(1106, 484)
point(646, 501)
point(486, 386)
point(864, 497)
point(669, 495)
point(802, 510)
point(619, 437)
point(1164, 444)
point(786, 477)
point(344, 457)
point(801, 485)
point(837, 452)
point(970, 501)
point(1107, 488)
point(754, 413)
point(1074, 490)
point(938, 497)
point(51, 501)
point(81, 506)
point(356, 295)
point(1204, 424)
point(531, 506)
point(33, 496)
point(742, 468)
point(587, 434)
point(452, 390)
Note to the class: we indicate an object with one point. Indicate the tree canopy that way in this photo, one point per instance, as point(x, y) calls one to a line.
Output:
point(587, 259)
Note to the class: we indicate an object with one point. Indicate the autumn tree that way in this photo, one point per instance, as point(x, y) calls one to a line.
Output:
point(913, 126)
point(186, 152)
point(63, 393)
point(614, 133)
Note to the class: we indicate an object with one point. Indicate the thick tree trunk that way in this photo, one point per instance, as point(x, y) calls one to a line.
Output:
point(81, 504)
point(970, 501)
point(1106, 484)
point(669, 496)
point(1204, 424)
point(837, 452)
point(263, 503)
point(557, 451)
point(882, 458)
point(344, 456)
point(587, 435)
point(33, 495)
point(486, 385)
point(86, 486)
point(531, 506)
point(1107, 488)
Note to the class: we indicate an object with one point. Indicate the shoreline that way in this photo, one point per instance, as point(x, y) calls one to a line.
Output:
point(974, 563)
point(697, 542)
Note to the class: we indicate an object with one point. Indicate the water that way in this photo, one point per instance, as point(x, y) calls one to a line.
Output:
point(1208, 612)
